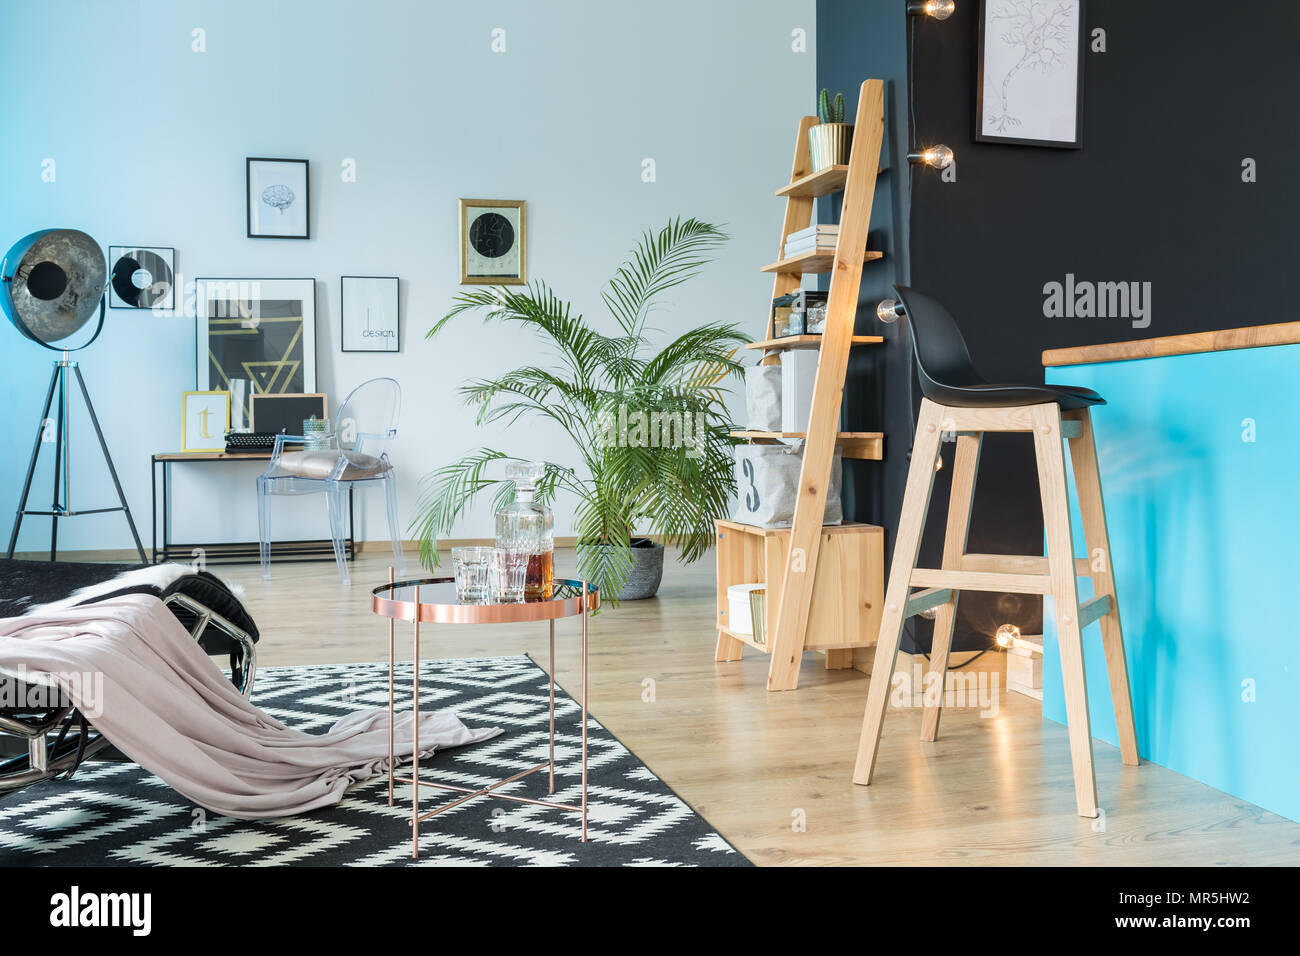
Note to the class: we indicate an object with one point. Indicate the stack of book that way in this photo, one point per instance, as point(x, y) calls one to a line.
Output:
point(812, 239)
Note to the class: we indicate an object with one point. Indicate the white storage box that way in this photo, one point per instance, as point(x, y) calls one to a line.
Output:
point(798, 373)
point(740, 618)
point(1025, 671)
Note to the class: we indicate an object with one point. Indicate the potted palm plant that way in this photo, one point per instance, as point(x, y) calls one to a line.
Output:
point(650, 452)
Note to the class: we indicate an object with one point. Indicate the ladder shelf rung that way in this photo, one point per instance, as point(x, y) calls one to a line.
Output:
point(789, 342)
point(818, 184)
point(856, 445)
point(811, 263)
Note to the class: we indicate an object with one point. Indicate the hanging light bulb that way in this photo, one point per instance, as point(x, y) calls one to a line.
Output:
point(1007, 635)
point(889, 311)
point(938, 157)
point(930, 613)
point(938, 9)
point(938, 463)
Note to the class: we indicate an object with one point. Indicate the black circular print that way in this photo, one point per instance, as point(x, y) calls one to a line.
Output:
point(491, 235)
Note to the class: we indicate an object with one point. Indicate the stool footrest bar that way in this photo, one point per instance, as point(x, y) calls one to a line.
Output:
point(1095, 609)
point(924, 600)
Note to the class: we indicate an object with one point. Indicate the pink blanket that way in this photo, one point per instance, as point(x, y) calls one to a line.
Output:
point(153, 692)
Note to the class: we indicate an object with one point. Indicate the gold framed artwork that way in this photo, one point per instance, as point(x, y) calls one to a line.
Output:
point(205, 419)
point(493, 242)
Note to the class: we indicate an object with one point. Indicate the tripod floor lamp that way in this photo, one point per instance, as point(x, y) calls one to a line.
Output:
point(51, 283)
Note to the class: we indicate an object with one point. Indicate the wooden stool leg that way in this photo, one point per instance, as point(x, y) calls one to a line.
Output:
point(916, 502)
point(965, 467)
point(1050, 452)
point(1087, 481)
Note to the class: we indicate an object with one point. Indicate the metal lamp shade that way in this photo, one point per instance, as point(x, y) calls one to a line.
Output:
point(53, 283)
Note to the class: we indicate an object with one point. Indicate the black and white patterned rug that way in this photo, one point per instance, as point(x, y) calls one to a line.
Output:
point(116, 814)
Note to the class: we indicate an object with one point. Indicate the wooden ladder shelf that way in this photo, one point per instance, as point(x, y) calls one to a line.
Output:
point(825, 583)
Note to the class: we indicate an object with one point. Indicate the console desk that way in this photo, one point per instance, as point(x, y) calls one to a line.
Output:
point(228, 552)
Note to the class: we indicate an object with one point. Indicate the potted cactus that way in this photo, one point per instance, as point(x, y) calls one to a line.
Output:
point(830, 140)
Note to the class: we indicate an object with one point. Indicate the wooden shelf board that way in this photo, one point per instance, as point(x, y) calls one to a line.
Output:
point(748, 640)
point(847, 527)
point(807, 342)
point(855, 445)
point(813, 262)
point(1250, 337)
point(821, 183)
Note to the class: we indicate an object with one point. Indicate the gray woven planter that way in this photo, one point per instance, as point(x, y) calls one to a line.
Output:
point(647, 570)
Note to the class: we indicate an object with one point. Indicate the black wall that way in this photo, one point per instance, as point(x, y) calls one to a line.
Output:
point(1183, 94)
point(851, 34)
point(858, 41)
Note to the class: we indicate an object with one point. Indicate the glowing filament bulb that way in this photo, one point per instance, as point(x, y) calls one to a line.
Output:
point(939, 157)
point(1007, 635)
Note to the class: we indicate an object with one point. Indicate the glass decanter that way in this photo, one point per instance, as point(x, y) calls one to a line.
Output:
point(524, 525)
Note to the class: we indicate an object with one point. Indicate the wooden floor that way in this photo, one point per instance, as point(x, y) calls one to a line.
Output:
point(992, 790)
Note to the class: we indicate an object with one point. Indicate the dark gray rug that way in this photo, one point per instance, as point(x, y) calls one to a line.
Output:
point(116, 814)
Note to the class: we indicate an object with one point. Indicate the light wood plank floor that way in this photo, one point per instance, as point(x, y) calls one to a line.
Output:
point(989, 791)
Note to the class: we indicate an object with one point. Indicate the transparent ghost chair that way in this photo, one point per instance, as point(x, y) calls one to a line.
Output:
point(356, 456)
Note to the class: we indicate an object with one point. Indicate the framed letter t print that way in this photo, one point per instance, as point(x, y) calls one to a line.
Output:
point(205, 418)
point(493, 242)
point(1029, 73)
point(369, 312)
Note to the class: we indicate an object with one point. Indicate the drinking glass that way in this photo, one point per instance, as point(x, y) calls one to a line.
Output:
point(510, 566)
point(473, 574)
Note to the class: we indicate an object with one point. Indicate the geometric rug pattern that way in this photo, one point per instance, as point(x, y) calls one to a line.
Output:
point(113, 813)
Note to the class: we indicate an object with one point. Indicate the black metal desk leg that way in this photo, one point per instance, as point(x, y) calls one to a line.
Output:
point(153, 510)
point(167, 511)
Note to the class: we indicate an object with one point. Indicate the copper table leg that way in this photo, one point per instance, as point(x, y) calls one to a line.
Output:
point(584, 711)
point(390, 700)
point(415, 744)
point(552, 683)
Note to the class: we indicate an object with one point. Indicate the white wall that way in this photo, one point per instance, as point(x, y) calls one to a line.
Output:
point(149, 140)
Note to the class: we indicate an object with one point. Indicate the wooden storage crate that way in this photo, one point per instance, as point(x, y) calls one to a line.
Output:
point(848, 586)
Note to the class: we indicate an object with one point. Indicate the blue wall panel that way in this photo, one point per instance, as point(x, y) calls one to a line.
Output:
point(1199, 459)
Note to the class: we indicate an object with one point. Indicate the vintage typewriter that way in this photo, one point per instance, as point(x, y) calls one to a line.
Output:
point(249, 443)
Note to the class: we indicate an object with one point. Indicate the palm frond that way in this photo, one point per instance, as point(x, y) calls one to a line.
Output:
point(659, 262)
point(446, 494)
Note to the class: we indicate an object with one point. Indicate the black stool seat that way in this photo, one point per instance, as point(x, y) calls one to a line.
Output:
point(948, 376)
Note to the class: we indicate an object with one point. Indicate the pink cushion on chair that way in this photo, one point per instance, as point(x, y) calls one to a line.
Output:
point(320, 464)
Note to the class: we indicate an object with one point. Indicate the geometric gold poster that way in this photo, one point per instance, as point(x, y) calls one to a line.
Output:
point(255, 336)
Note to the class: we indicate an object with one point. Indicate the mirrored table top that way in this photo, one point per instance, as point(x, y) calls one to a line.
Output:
point(434, 600)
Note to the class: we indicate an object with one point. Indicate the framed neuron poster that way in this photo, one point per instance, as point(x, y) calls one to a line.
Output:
point(1029, 73)
point(255, 336)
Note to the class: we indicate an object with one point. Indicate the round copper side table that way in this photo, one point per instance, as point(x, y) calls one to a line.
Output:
point(433, 601)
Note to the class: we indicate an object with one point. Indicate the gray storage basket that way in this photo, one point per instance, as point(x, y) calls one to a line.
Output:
point(763, 398)
point(767, 485)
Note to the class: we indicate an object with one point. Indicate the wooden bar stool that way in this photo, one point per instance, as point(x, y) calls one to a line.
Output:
point(958, 401)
